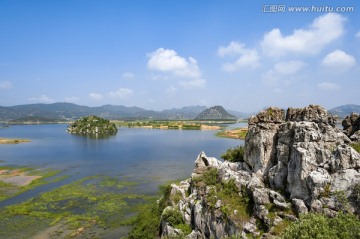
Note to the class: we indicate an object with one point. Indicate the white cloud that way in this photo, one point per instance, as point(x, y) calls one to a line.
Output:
point(246, 57)
point(338, 60)
point(323, 30)
point(128, 75)
point(5, 85)
point(328, 86)
point(284, 68)
point(72, 99)
point(41, 99)
point(167, 60)
point(122, 93)
point(192, 84)
point(96, 96)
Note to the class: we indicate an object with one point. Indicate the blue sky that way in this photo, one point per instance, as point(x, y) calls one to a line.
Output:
point(162, 54)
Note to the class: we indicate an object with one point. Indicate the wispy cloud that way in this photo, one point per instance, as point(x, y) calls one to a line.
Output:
point(96, 96)
point(5, 85)
point(193, 84)
point(41, 99)
point(245, 57)
point(281, 69)
point(128, 75)
point(328, 86)
point(122, 93)
point(72, 99)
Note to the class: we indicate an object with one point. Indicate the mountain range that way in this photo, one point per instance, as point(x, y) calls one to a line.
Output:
point(70, 112)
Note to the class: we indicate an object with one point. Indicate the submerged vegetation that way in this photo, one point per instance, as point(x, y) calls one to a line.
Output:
point(88, 206)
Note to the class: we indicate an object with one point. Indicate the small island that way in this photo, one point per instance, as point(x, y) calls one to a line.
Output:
point(92, 126)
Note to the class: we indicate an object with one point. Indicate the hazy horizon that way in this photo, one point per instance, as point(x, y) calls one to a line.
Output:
point(242, 55)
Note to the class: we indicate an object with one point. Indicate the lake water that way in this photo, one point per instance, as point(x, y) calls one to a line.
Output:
point(150, 156)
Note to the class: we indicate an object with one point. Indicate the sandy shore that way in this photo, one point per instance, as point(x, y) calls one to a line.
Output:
point(13, 141)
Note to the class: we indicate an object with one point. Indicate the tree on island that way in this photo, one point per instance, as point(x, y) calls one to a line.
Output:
point(93, 126)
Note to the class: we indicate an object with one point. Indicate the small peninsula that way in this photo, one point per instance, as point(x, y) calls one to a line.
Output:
point(93, 126)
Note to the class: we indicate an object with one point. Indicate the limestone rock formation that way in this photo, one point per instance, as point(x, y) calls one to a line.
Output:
point(351, 125)
point(294, 163)
point(93, 126)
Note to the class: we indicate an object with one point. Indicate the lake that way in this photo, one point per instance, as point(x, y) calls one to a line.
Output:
point(148, 156)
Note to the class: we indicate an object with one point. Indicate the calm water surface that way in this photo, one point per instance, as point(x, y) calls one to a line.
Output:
point(150, 156)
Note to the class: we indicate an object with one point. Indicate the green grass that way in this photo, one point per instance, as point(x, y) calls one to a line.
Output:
point(356, 146)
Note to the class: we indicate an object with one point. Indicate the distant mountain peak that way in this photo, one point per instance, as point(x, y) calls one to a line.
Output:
point(215, 113)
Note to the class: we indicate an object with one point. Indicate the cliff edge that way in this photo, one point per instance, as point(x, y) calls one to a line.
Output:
point(295, 162)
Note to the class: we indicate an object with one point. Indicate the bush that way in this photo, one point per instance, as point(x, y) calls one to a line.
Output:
point(235, 154)
point(146, 224)
point(173, 217)
point(313, 226)
point(209, 177)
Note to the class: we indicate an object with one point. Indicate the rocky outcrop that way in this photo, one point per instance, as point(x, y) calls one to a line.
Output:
point(294, 163)
point(93, 126)
point(351, 125)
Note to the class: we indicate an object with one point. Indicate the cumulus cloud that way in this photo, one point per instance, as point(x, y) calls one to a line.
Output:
point(284, 68)
point(41, 99)
point(122, 93)
point(5, 85)
point(245, 57)
point(192, 84)
point(167, 60)
point(96, 96)
point(328, 86)
point(338, 60)
point(323, 30)
point(128, 75)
